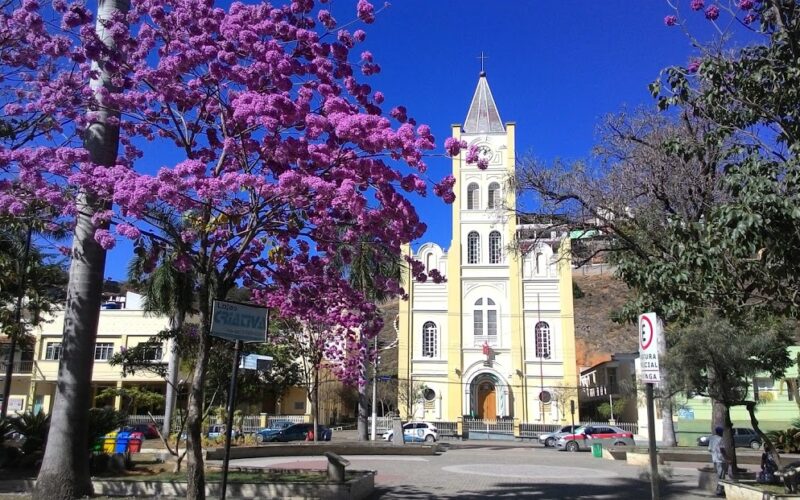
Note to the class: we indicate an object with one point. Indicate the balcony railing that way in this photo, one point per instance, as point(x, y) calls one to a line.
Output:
point(492, 340)
point(596, 391)
point(19, 367)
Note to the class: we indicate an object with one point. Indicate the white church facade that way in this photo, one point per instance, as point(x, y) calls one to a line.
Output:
point(496, 340)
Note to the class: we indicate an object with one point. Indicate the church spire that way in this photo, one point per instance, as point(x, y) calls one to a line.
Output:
point(483, 116)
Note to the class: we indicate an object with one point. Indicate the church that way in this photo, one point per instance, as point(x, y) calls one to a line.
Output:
point(497, 339)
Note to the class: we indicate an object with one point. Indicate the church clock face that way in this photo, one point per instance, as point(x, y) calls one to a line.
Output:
point(485, 153)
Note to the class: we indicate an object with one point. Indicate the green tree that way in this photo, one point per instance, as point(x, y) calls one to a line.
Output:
point(717, 358)
point(167, 291)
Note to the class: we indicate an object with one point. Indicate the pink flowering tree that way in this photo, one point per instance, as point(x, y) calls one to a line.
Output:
point(287, 158)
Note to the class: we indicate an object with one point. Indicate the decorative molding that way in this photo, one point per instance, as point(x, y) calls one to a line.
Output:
point(500, 286)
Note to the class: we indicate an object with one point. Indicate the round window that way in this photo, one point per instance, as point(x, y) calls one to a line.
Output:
point(429, 394)
point(545, 396)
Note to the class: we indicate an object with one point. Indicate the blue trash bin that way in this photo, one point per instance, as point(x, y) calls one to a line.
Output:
point(121, 445)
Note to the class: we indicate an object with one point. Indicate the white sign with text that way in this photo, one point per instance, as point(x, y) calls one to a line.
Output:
point(650, 332)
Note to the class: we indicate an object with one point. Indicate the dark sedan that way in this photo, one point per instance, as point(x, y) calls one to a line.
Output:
point(300, 432)
point(742, 438)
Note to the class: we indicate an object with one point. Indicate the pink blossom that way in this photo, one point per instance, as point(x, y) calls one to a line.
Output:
point(693, 66)
point(712, 12)
point(697, 5)
point(105, 239)
point(472, 154)
point(746, 4)
point(366, 12)
point(454, 146)
point(128, 231)
point(670, 20)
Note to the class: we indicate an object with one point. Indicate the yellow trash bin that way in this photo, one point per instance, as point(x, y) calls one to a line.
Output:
point(109, 441)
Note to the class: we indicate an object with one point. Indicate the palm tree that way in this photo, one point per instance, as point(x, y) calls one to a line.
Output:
point(370, 265)
point(65, 466)
point(169, 292)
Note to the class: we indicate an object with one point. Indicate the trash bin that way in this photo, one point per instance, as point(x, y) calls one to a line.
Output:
point(597, 450)
point(135, 442)
point(108, 442)
point(97, 447)
point(122, 442)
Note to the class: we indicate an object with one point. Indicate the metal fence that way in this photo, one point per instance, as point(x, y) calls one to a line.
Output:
point(382, 426)
point(145, 419)
point(446, 429)
point(295, 419)
point(532, 431)
point(251, 424)
point(489, 427)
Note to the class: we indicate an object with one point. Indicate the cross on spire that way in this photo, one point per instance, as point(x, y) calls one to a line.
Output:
point(483, 58)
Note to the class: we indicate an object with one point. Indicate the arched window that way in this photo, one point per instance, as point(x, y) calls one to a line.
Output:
point(494, 196)
point(542, 340)
point(495, 248)
point(541, 264)
point(473, 197)
point(430, 341)
point(429, 262)
point(473, 248)
point(484, 322)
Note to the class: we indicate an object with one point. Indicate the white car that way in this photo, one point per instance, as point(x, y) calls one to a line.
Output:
point(416, 432)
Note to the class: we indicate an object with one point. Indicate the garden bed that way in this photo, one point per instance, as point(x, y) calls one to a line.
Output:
point(751, 490)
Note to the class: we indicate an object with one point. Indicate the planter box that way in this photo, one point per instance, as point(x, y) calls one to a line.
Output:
point(317, 450)
point(641, 459)
point(357, 488)
point(748, 490)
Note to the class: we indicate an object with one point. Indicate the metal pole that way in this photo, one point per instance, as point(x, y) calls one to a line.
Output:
point(373, 430)
point(229, 426)
point(23, 275)
point(651, 437)
point(610, 402)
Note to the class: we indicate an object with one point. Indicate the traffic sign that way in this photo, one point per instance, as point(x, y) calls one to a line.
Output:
point(649, 334)
point(234, 321)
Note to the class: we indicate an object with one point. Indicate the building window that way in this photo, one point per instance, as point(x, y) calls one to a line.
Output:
point(542, 340)
point(53, 351)
point(473, 197)
point(485, 322)
point(152, 351)
point(103, 351)
point(494, 196)
point(495, 248)
point(473, 248)
point(429, 262)
point(429, 340)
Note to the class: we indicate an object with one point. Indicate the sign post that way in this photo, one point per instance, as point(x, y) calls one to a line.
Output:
point(649, 335)
point(572, 412)
point(240, 323)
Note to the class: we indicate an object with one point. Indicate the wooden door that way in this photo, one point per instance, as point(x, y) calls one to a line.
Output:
point(487, 402)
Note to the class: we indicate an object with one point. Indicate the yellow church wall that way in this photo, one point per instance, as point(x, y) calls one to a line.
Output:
point(404, 333)
point(568, 320)
point(454, 361)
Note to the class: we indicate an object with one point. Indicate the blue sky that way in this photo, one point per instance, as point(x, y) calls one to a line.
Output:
point(555, 68)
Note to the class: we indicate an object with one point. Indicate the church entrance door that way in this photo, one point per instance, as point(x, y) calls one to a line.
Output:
point(487, 401)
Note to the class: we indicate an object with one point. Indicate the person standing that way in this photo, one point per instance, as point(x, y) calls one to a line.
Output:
point(719, 457)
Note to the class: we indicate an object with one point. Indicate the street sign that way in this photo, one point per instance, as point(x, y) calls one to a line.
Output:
point(257, 362)
point(649, 334)
point(234, 321)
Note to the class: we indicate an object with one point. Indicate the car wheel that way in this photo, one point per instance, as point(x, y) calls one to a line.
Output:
point(755, 444)
point(572, 446)
point(620, 443)
point(429, 438)
point(259, 438)
point(549, 442)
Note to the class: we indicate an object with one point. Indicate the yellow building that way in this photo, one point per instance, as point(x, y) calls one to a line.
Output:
point(497, 339)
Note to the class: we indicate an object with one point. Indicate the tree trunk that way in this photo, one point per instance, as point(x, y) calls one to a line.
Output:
point(196, 486)
point(668, 424)
point(728, 442)
point(717, 415)
point(362, 412)
point(316, 404)
point(173, 365)
point(65, 467)
point(768, 446)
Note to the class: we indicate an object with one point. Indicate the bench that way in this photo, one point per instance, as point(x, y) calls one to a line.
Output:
point(336, 465)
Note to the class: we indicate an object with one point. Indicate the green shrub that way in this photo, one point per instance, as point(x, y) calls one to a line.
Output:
point(787, 441)
point(33, 427)
point(102, 421)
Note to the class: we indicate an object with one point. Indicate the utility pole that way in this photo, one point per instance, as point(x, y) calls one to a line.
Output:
point(373, 428)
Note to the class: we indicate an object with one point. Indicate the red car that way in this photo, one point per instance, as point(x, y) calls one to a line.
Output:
point(149, 430)
point(585, 437)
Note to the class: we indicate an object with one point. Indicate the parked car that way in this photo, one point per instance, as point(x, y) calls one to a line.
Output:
point(585, 437)
point(299, 432)
point(216, 431)
point(549, 440)
point(416, 432)
point(743, 437)
point(149, 430)
point(263, 434)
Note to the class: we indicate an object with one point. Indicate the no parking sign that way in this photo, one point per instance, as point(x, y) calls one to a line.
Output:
point(649, 335)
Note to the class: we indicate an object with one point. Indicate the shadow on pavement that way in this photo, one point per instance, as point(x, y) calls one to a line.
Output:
point(615, 489)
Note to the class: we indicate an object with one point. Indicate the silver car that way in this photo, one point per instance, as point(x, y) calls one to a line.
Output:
point(550, 439)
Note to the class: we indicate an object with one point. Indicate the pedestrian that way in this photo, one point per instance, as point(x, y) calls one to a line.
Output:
point(719, 457)
point(768, 467)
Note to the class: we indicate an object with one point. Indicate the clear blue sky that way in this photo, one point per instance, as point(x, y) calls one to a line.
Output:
point(555, 68)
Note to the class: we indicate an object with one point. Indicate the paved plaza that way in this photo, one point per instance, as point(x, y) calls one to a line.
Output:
point(487, 471)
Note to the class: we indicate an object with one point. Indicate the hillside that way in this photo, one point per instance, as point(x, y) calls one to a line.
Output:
point(596, 335)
